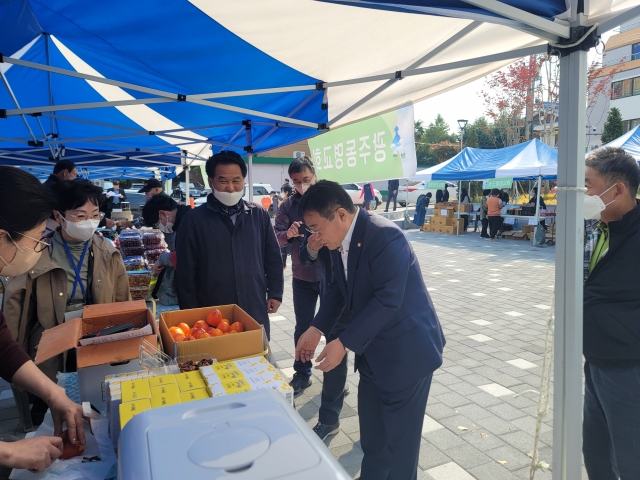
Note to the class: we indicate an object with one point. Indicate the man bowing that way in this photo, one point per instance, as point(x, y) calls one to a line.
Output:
point(394, 330)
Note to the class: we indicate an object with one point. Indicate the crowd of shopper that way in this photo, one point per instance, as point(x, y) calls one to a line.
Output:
point(358, 267)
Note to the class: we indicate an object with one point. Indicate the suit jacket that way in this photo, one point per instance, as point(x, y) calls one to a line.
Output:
point(393, 321)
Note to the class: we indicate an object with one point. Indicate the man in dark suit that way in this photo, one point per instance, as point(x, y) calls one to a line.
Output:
point(393, 186)
point(394, 330)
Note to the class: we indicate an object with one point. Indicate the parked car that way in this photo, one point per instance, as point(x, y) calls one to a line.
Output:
point(355, 189)
point(195, 190)
point(260, 191)
point(419, 189)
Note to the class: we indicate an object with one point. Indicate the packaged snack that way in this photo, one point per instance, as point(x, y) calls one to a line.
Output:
point(139, 278)
point(130, 238)
point(152, 255)
point(139, 293)
point(135, 263)
point(152, 237)
point(132, 251)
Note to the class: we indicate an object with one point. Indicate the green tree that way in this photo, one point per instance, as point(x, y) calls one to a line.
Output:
point(613, 127)
point(470, 137)
point(438, 131)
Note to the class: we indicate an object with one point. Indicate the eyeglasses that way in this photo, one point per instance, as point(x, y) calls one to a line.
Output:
point(328, 219)
point(82, 217)
point(41, 244)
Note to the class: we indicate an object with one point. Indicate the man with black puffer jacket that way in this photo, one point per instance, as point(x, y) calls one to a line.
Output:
point(611, 317)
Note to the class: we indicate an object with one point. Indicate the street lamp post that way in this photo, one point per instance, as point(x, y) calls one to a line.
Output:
point(462, 124)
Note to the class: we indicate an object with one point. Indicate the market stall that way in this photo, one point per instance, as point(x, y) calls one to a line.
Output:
point(500, 168)
point(298, 89)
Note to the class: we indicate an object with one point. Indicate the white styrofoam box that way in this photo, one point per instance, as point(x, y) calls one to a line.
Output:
point(252, 435)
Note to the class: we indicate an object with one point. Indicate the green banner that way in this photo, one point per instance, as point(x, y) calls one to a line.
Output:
point(378, 148)
point(497, 183)
point(438, 184)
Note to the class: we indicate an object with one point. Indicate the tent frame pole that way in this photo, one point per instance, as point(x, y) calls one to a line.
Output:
point(249, 149)
point(568, 401)
point(473, 62)
point(618, 20)
point(434, 52)
point(538, 201)
point(545, 26)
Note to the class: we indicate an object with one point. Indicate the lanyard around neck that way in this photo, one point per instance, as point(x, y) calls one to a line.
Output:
point(77, 269)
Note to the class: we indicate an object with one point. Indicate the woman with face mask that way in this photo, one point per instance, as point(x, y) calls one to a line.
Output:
point(25, 204)
point(78, 268)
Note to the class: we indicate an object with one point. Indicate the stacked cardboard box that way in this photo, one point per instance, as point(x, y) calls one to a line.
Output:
point(444, 220)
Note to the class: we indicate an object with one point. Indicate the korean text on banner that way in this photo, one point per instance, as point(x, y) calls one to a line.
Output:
point(497, 183)
point(378, 148)
point(439, 184)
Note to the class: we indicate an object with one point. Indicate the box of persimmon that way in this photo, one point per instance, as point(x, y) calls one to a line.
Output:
point(227, 332)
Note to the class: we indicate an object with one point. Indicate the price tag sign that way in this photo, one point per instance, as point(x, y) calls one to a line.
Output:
point(444, 212)
point(532, 221)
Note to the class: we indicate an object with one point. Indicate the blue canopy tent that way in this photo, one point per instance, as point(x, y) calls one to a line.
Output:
point(178, 78)
point(629, 142)
point(532, 159)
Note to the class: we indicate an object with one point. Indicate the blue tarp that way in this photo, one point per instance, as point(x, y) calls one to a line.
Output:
point(525, 160)
point(172, 47)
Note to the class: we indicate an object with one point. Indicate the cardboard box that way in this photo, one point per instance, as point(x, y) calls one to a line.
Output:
point(443, 212)
point(426, 227)
point(466, 207)
point(95, 362)
point(528, 228)
point(439, 221)
point(449, 230)
point(251, 342)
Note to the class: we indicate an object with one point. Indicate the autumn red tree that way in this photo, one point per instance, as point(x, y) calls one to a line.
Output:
point(528, 92)
point(507, 95)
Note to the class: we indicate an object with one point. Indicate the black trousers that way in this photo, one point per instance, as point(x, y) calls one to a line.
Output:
point(390, 427)
point(485, 224)
point(305, 298)
point(395, 199)
point(494, 225)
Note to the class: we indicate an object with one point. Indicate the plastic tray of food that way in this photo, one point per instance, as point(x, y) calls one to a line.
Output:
point(152, 237)
point(135, 263)
point(189, 363)
point(139, 293)
point(139, 278)
point(130, 242)
point(152, 255)
point(132, 251)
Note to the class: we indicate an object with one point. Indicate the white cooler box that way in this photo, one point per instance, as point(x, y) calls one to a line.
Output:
point(249, 436)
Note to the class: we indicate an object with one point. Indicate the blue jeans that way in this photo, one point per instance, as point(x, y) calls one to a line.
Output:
point(611, 427)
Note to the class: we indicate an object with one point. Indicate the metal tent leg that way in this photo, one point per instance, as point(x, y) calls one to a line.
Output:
point(567, 421)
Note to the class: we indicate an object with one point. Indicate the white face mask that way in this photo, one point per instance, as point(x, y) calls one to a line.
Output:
point(168, 228)
point(24, 260)
point(81, 230)
point(594, 206)
point(229, 199)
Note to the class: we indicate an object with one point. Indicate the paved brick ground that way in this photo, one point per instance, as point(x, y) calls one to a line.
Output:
point(493, 300)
